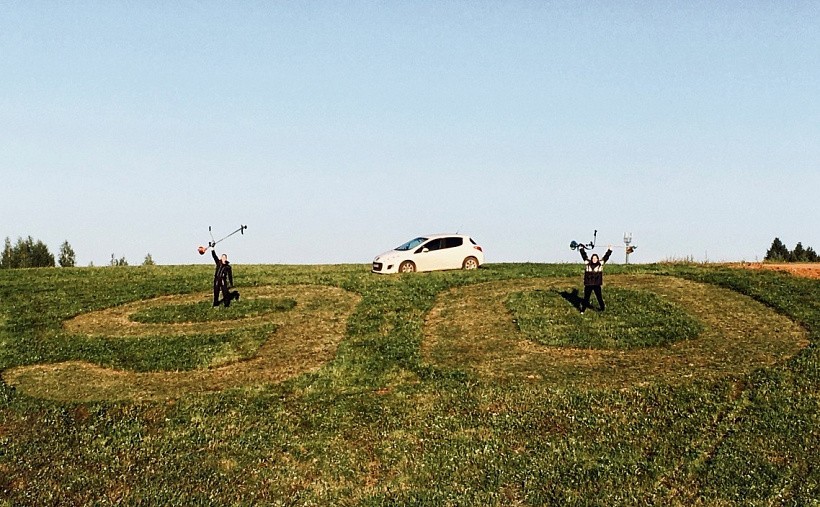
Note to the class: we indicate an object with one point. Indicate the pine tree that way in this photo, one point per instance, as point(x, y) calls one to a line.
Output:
point(26, 254)
point(798, 254)
point(778, 252)
point(8, 254)
point(40, 257)
point(67, 257)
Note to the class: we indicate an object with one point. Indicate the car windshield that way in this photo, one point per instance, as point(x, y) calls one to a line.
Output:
point(413, 243)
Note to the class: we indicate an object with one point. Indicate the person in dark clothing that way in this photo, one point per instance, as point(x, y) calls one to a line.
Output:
point(593, 277)
point(223, 281)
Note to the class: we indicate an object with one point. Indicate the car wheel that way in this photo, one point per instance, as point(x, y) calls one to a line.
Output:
point(407, 267)
point(470, 263)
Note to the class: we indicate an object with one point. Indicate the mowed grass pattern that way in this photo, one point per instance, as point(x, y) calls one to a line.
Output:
point(391, 416)
point(472, 327)
point(272, 345)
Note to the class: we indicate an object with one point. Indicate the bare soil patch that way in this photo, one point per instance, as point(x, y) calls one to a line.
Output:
point(807, 270)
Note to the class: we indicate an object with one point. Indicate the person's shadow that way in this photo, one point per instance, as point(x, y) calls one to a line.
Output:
point(573, 298)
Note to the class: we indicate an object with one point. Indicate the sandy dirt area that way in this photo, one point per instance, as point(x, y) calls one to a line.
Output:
point(808, 270)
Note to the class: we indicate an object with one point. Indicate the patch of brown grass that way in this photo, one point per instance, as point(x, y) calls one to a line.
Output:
point(807, 269)
point(470, 328)
point(306, 338)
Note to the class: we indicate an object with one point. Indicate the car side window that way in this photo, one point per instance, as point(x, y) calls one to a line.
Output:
point(430, 245)
point(453, 242)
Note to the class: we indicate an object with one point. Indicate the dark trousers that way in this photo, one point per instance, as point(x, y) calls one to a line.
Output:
point(221, 286)
point(588, 290)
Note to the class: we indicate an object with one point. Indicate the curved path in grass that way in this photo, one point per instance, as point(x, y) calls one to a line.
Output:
point(470, 327)
point(305, 338)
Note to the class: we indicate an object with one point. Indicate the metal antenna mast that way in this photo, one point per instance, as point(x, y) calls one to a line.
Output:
point(627, 241)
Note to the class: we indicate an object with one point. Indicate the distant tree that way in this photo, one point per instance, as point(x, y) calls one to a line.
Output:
point(778, 252)
point(118, 262)
point(26, 254)
point(6, 260)
point(67, 257)
point(148, 261)
point(40, 256)
point(798, 254)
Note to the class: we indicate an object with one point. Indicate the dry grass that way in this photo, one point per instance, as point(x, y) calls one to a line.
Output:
point(470, 327)
point(306, 338)
point(805, 269)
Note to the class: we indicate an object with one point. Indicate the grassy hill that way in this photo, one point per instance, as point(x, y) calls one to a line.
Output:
point(327, 385)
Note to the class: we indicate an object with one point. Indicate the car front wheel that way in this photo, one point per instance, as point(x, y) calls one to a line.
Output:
point(407, 267)
point(470, 263)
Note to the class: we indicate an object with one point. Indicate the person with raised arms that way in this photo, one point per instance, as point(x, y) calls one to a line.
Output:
point(593, 276)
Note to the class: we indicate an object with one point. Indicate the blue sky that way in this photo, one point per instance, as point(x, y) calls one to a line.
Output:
point(338, 130)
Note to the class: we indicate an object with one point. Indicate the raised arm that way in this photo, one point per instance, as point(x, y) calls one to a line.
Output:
point(216, 259)
point(583, 253)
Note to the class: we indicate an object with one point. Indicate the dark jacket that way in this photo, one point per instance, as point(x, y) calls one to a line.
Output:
point(223, 273)
point(594, 271)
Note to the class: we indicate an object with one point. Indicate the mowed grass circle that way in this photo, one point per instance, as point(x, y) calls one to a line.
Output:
point(174, 315)
point(279, 343)
point(633, 319)
point(204, 311)
point(473, 328)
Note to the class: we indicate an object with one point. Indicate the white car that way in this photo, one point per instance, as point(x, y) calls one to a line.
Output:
point(431, 253)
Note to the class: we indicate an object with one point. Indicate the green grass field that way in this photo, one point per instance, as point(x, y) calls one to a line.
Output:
point(327, 385)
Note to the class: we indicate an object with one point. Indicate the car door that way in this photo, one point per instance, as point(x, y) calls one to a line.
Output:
point(429, 256)
point(452, 252)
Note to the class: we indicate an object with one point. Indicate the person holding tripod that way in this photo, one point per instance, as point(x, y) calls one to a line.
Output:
point(593, 276)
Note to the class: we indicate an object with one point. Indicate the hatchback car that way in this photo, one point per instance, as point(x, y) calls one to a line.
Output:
point(431, 253)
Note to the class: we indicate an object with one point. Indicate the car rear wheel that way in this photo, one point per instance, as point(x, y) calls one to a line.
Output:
point(470, 263)
point(407, 267)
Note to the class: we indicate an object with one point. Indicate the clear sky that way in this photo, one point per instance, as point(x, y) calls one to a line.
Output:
point(337, 130)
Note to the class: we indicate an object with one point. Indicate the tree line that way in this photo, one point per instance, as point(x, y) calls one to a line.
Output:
point(28, 253)
point(780, 253)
